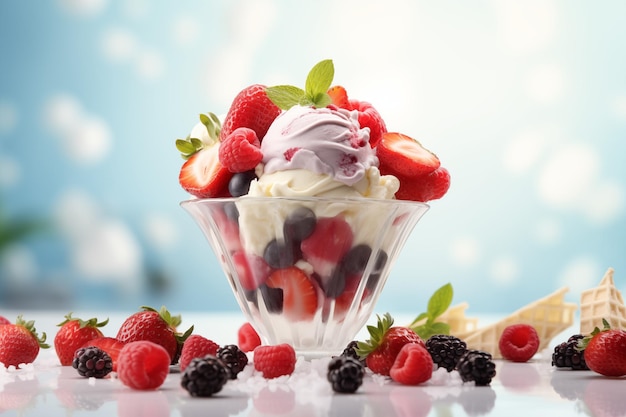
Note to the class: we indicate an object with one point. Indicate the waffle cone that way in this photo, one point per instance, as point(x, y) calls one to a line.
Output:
point(602, 302)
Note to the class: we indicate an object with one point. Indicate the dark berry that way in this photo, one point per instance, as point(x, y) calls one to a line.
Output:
point(566, 355)
point(279, 254)
point(272, 297)
point(345, 374)
point(335, 285)
point(239, 184)
point(205, 376)
point(233, 358)
point(477, 366)
point(446, 350)
point(356, 258)
point(92, 362)
point(231, 211)
point(300, 224)
point(350, 352)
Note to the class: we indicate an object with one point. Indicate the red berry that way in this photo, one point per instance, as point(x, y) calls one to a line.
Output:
point(274, 361)
point(404, 155)
point(73, 334)
point(412, 366)
point(143, 365)
point(251, 269)
point(370, 118)
point(329, 242)
point(423, 188)
point(241, 150)
point(196, 346)
point(155, 326)
point(19, 343)
point(385, 343)
point(339, 97)
point(251, 108)
point(110, 345)
point(203, 175)
point(247, 338)
point(605, 353)
point(4, 320)
point(299, 293)
point(518, 342)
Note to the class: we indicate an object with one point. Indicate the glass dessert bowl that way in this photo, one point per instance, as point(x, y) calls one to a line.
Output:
point(306, 270)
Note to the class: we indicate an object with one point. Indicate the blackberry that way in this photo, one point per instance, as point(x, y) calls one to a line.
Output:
point(446, 350)
point(233, 358)
point(476, 366)
point(350, 352)
point(204, 376)
point(345, 374)
point(566, 355)
point(92, 362)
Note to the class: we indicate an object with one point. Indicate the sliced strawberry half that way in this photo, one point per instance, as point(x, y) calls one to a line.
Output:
point(203, 175)
point(252, 270)
point(424, 187)
point(300, 300)
point(404, 155)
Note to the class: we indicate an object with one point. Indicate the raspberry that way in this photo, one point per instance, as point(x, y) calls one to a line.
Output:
point(233, 358)
point(196, 346)
point(274, 361)
point(241, 150)
point(204, 377)
point(566, 355)
point(476, 366)
point(412, 366)
point(446, 350)
point(92, 362)
point(519, 342)
point(248, 338)
point(345, 374)
point(143, 365)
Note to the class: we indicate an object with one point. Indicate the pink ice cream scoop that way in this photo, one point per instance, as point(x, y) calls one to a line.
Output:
point(324, 141)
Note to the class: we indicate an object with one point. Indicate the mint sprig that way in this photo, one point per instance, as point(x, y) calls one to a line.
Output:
point(314, 94)
point(425, 325)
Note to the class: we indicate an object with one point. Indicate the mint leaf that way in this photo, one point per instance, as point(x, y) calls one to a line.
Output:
point(319, 79)
point(285, 96)
point(440, 301)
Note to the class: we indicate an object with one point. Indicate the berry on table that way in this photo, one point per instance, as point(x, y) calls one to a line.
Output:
point(275, 360)
point(110, 345)
point(350, 352)
point(92, 362)
point(233, 358)
point(476, 366)
point(605, 350)
point(196, 346)
point(412, 366)
point(518, 342)
point(204, 376)
point(345, 374)
point(4, 320)
point(445, 350)
point(247, 338)
point(73, 334)
point(567, 354)
point(143, 365)
point(20, 343)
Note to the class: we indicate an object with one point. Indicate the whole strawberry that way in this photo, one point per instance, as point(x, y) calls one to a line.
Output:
point(385, 342)
point(19, 343)
point(155, 326)
point(605, 351)
point(251, 108)
point(73, 334)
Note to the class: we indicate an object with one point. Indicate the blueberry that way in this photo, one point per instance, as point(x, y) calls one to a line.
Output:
point(239, 184)
point(279, 254)
point(336, 284)
point(231, 211)
point(273, 298)
point(300, 224)
point(356, 258)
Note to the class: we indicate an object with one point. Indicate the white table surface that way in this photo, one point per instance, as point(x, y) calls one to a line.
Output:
point(45, 388)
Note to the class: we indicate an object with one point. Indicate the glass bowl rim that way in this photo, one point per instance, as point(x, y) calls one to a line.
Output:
point(350, 200)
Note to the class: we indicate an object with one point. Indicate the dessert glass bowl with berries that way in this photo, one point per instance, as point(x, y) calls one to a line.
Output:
point(306, 271)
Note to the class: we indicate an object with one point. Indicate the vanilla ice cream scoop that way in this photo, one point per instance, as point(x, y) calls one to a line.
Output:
point(323, 141)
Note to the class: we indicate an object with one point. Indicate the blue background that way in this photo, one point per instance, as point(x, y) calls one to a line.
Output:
point(524, 103)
